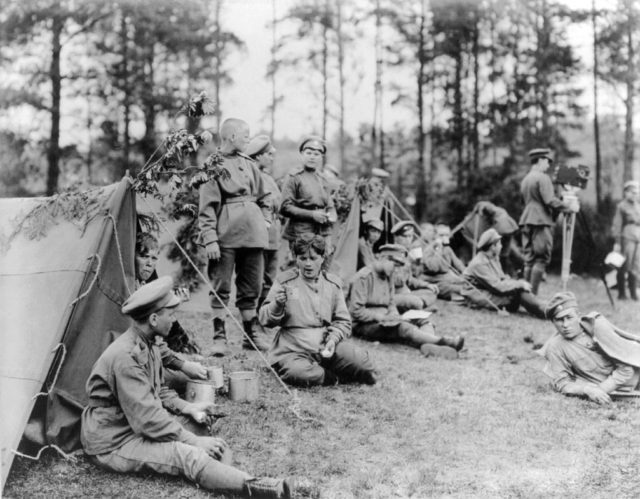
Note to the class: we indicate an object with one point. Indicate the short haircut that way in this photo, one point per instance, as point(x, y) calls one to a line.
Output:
point(307, 243)
point(146, 242)
point(231, 126)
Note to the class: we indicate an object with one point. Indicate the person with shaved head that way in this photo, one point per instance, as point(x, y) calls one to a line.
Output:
point(234, 217)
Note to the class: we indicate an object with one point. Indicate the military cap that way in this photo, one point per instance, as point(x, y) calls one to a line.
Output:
point(402, 227)
point(258, 145)
point(313, 142)
point(151, 298)
point(379, 172)
point(376, 223)
point(395, 252)
point(541, 152)
point(560, 303)
point(631, 184)
point(487, 238)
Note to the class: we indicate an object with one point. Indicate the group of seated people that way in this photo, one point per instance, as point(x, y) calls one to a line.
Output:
point(135, 421)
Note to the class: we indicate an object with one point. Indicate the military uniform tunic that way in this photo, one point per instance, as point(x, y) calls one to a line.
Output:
point(313, 313)
point(492, 287)
point(303, 193)
point(127, 425)
point(626, 230)
point(538, 217)
point(233, 212)
point(582, 359)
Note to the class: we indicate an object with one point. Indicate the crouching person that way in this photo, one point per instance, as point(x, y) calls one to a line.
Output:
point(308, 304)
point(133, 423)
point(589, 356)
point(376, 317)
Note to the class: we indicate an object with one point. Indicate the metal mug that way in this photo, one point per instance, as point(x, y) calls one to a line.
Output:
point(216, 376)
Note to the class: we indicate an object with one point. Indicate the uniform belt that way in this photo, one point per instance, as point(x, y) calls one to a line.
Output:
point(100, 403)
point(240, 199)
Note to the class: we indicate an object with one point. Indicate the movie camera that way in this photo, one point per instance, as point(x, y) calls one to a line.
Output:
point(575, 176)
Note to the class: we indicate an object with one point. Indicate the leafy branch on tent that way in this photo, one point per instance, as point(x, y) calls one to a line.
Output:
point(179, 146)
point(76, 207)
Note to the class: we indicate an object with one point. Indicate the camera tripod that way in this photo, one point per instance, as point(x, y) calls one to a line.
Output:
point(568, 227)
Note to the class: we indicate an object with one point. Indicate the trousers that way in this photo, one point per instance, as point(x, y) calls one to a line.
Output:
point(249, 267)
point(349, 363)
point(174, 458)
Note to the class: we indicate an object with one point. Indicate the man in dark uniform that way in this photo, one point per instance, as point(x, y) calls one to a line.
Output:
point(234, 217)
point(537, 219)
point(133, 422)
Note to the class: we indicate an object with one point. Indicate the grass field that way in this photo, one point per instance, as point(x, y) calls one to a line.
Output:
point(486, 425)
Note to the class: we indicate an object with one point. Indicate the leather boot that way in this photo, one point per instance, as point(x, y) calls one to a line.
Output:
point(219, 348)
point(254, 330)
point(457, 343)
point(537, 273)
point(620, 284)
point(632, 287)
point(267, 488)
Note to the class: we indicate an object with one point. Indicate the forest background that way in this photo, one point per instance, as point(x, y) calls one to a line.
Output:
point(447, 95)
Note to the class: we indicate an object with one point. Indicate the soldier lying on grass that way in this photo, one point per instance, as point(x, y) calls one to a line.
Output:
point(589, 356)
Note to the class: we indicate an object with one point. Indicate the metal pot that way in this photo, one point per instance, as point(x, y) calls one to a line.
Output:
point(200, 391)
point(243, 385)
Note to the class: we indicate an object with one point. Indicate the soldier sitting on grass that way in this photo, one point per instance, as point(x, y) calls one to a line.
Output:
point(589, 356)
point(308, 304)
point(133, 422)
point(491, 286)
point(374, 313)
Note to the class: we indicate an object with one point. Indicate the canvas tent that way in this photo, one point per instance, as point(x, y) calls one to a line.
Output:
point(63, 279)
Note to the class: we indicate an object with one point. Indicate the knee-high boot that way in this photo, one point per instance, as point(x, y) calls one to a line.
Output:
point(620, 284)
point(632, 287)
point(537, 272)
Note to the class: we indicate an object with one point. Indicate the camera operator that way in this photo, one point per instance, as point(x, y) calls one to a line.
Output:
point(626, 230)
point(537, 219)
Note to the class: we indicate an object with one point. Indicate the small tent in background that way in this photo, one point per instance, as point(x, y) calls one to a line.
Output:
point(66, 266)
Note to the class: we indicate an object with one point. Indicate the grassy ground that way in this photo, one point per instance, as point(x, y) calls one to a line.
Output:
point(486, 425)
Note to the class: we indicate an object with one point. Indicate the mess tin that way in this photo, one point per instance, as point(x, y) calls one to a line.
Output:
point(200, 391)
point(243, 386)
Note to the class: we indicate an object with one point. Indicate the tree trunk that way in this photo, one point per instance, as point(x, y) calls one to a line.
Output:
point(376, 131)
point(149, 107)
point(596, 124)
point(341, 82)
point(126, 104)
point(325, 68)
point(630, 82)
point(458, 126)
point(53, 150)
point(274, 40)
point(217, 80)
point(475, 138)
point(421, 190)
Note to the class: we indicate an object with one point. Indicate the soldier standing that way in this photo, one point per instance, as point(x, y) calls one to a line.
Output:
point(234, 217)
point(537, 219)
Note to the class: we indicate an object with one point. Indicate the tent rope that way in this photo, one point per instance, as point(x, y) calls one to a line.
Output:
point(55, 377)
point(226, 308)
point(69, 457)
point(451, 267)
point(115, 235)
point(93, 281)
